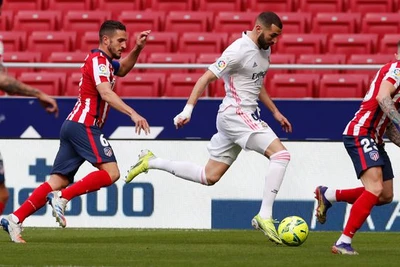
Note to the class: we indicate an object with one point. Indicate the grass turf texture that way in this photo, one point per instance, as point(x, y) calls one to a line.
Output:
point(136, 247)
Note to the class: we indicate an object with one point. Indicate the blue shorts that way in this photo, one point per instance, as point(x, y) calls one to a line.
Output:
point(77, 144)
point(365, 153)
point(1, 170)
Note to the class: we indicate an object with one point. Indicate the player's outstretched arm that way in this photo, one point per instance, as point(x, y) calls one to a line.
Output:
point(116, 102)
point(385, 101)
point(127, 63)
point(184, 117)
point(14, 87)
point(267, 101)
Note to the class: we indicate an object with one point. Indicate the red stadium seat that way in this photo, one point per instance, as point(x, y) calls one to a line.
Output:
point(83, 21)
point(336, 23)
point(6, 20)
point(16, 5)
point(140, 85)
point(320, 6)
point(14, 40)
point(365, 6)
point(388, 43)
point(306, 43)
point(89, 41)
point(376, 59)
point(68, 57)
point(170, 5)
point(142, 20)
point(279, 59)
point(380, 23)
point(47, 42)
point(204, 42)
point(275, 5)
point(233, 37)
point(181, 84)
point(320, 59)
point(234, 21)
point(117, 6)
point(159, 42)
point(63, 5)
point(222, 5)
point(206, 58)
point(72, 84)
point(343, 85)
point(29, 21)
point(171, 58)
point(295, 22)
point(52, 83)
point(353, 43)
point(22, 57)
point(293, 85)
point(188, 21)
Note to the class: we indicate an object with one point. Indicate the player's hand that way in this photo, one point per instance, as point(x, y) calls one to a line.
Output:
point(140, 124)
point(142, 38)
point(183, 117)
point(49, 103)
point(285, 124)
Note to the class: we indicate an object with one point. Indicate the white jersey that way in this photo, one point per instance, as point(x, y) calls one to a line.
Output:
point(243, 66)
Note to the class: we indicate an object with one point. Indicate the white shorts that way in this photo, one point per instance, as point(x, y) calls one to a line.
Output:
point(235, 127)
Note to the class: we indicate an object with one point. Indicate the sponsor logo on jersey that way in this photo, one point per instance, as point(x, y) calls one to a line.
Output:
point(221, 64)
point(396, 72)
point(255, 65)
point(103, 70)
point(258, 75)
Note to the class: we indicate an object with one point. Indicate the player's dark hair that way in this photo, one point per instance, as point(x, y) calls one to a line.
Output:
point(109, 27)
point(1, 2)
point(268, 18)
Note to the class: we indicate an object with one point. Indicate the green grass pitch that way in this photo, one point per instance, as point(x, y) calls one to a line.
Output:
point(144, 247)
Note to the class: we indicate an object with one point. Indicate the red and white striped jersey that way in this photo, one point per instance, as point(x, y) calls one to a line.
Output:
point(370, 120)
point(90, 109)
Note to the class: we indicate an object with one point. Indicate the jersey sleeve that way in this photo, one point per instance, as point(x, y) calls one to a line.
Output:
point(393, 75)
point(226, 64)
point(101, 73)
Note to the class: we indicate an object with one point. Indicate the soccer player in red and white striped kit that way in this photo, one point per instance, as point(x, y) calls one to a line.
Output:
point(363, 138)
point(81, 137)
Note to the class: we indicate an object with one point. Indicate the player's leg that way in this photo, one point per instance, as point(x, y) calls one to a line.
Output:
point(267, 144)
point(373, 183)
point(371, 164)
point(222, 154)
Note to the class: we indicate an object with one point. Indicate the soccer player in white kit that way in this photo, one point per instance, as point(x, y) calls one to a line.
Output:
point(243, 66)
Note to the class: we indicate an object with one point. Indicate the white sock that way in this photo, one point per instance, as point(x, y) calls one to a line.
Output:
point(182, 169)
point(273, 181)
point(14, 218)
point(344, 239)
point(330, 195)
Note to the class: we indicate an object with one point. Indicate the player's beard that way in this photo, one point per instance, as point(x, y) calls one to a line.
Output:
point(113, 54)
point(261, 42)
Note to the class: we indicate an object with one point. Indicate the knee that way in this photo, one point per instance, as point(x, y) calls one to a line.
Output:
point(385, 198)
point(114, 175)
point(4, 195)
point(213, 179)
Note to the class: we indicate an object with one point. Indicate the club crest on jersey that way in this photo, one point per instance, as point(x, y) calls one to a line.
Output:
point(396, 72)
point(103, 70)
point(108, 151)
point(221, 64)
point(374, 155)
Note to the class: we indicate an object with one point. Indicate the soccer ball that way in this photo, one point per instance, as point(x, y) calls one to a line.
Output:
point(293, 231)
